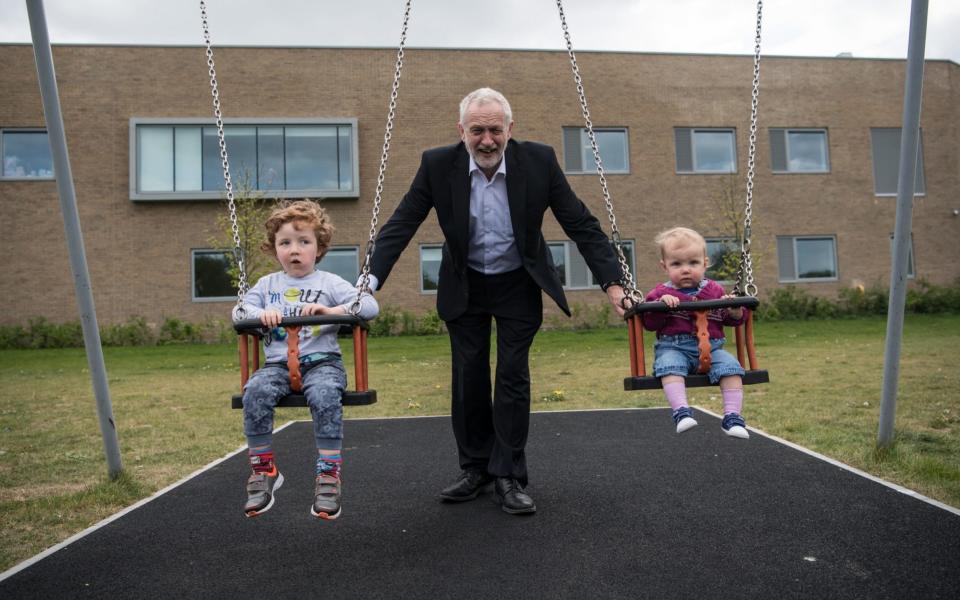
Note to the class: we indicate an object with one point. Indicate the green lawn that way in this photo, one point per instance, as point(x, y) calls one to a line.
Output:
point(171, 406)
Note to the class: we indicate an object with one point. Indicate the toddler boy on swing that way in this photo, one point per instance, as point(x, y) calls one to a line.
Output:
point(298, 235)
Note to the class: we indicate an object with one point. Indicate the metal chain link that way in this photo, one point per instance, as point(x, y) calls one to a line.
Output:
point(227, 181)
point(745, 269)
point(628, 284)
point(364, 282)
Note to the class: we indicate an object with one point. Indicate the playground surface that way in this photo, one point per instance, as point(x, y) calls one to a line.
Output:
point(626, 509)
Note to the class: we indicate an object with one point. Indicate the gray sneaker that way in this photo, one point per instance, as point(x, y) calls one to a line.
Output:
point(326, 501)
point(261, 488)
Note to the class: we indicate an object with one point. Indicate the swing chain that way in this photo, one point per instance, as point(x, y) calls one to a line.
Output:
point(227, 181)
point(364, 283)
point(745, 269)
point(628, 285)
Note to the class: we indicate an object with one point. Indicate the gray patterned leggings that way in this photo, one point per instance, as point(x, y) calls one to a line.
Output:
point(323, 386)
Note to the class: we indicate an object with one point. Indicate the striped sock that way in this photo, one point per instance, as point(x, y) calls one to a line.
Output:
point(261, 459)
point(329, 464)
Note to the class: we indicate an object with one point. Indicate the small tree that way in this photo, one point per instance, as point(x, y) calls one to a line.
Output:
point(252, 211)
point(726, 216)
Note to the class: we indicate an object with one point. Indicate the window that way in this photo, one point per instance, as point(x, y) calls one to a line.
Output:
point(289, 158)
point(705, 150)
point(572, 268)
point(342, 261)
point(611, 142)
point(799, 151)
point(211, 276)
point(430, 267)
point(807, 258)
point(724, 254)
point(886, 162)
point(26, 154)
point(911, 273)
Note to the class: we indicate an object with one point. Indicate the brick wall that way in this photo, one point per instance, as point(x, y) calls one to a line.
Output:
point(139, 252)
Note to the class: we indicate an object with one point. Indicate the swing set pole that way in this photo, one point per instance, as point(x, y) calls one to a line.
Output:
point(909, 144)
point(71, 224)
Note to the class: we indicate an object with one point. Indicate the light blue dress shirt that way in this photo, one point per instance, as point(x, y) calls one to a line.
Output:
point(492, 248)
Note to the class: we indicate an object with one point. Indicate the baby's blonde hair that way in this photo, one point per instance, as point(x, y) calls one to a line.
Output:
point(302, 211)
point(679, 235)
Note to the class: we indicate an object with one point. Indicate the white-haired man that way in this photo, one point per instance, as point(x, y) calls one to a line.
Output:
point(490, 194)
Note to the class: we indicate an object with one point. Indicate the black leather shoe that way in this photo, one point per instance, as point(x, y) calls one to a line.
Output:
point(512, 498)
point(467, 487)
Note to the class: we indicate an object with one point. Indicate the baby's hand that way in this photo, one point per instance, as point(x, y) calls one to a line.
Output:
point(319, 309)
point(671, 301)
point(270, 318)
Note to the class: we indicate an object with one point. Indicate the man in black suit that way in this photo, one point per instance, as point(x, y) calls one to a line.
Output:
point(490, 194)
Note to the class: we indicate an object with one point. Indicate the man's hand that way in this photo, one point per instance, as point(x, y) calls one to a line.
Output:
point(616, 295)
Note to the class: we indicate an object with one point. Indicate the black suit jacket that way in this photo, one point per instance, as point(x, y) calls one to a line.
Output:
point(534, 184)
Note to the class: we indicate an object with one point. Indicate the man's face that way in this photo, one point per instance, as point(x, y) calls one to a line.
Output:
point(485, 132)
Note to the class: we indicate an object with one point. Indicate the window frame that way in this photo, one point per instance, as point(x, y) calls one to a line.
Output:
point(785, 132)
point(726, 240)
point(584, 146)
point(355, 248)
point(920, 177)
point(193, 276)
point(428, 246)
point(693, 157)
point(569, 247)
point(796, 278)
point(911, 259)
point(5, 130)
point(141, 196)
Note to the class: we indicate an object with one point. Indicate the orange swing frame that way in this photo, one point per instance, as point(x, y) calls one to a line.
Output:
point(251, 335)
point(746, 352)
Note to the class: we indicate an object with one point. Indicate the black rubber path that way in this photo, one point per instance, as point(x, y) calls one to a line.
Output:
point(626, 509)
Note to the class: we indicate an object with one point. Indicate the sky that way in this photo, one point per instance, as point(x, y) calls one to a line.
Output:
point(863, 28)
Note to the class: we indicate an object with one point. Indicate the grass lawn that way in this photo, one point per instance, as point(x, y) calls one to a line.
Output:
point(171, 406)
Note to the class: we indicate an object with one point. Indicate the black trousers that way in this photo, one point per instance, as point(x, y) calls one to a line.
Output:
point(491, 433)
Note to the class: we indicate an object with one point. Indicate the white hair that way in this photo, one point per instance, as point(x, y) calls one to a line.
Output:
point(483, 96)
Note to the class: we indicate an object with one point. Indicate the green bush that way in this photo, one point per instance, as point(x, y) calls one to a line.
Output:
point(430, 323)
point(864, 301)
point(930, 298)
point(792, 303)
point(135, 332)
point(176, 331)
point(385, 323)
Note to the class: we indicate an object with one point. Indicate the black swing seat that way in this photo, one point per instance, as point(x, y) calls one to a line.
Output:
point(648, 382)
point(349, 398)
point(347, 324)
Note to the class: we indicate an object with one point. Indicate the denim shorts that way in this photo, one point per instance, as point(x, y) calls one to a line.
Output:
point(679, 355)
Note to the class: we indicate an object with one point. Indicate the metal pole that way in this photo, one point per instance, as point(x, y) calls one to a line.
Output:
point(909, 136)
point(71, 225)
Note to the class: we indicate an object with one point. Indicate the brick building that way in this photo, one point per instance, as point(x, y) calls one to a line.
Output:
point(309, 122)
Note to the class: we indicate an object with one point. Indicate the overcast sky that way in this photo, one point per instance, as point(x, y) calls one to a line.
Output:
point(864, 28)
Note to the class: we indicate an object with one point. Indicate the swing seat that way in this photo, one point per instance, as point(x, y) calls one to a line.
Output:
point(251, 330)
point(746, 354)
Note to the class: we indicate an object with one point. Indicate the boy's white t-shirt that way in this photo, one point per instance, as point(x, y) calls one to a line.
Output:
point(287, 295)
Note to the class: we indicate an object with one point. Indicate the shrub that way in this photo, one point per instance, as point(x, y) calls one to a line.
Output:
point(792, 303)
point(930, 298)
point(858, 300)
point(430, 323)
point(135, 332)
point(176, 331)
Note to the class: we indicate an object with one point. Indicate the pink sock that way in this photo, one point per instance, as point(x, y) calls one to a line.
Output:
point(676, 394)
point(732, 400)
